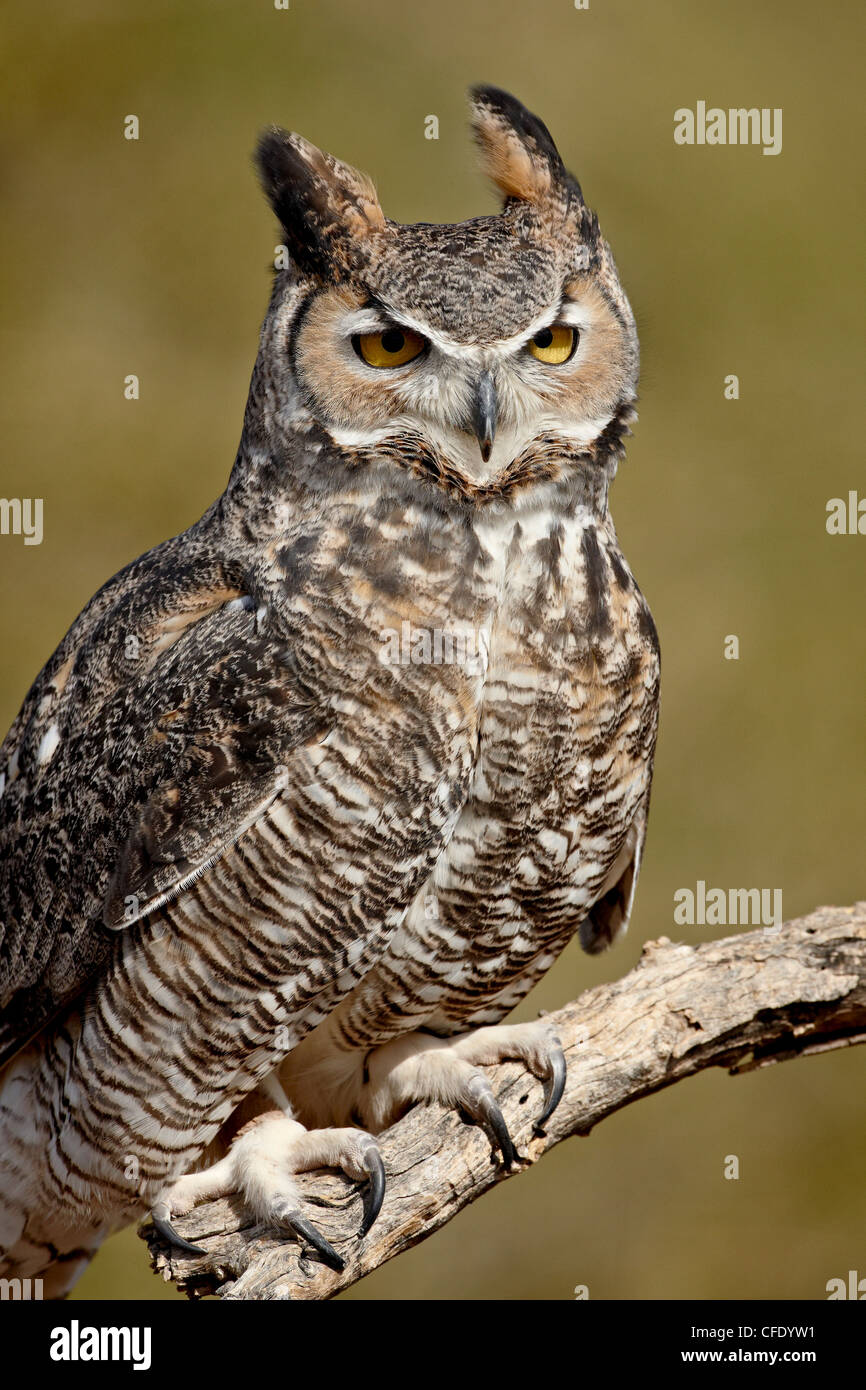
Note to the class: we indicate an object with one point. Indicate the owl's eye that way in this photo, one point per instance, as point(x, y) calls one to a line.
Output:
point(554, 345)
point(392, 348)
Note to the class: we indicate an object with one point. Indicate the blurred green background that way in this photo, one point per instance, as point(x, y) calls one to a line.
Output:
point(152, 258)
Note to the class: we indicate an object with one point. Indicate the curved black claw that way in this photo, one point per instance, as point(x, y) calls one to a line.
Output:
point(303, 1228)
point(171, 1237)
point(374, 1166)
point(554, 1085)
point(483, 1107)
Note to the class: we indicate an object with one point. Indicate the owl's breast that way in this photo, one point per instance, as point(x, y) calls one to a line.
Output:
point(553, 688)
point(566, 739)
point(568, 711)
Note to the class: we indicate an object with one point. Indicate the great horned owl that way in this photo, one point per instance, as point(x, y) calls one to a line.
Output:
point(311, 795)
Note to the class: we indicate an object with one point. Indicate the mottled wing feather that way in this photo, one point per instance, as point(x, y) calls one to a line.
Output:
point(169, 767)
point(223, 756)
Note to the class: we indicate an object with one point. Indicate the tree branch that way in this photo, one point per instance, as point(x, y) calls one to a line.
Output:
point(741, 1002)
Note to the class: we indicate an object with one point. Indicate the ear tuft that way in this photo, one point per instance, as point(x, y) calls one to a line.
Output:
point(517, 149)
point(326, 208)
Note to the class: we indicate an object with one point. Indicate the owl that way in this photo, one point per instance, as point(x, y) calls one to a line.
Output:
point(312, 794)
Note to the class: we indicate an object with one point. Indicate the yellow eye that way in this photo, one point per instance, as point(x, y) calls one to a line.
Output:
point(393, 348)
point(554, 345)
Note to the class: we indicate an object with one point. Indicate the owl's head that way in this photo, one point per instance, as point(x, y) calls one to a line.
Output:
point(485, 345)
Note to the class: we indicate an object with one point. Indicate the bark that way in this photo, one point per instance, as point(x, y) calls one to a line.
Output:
point(742, 1002)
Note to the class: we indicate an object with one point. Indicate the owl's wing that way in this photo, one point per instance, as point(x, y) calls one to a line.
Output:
point(135, 764)
point(608, 918)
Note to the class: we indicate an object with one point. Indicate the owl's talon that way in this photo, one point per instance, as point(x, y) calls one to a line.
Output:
point(163, 1226)
point(265, 1156)
point(480, 1102)
point(305, 1230)
point(422, 1067)
point(554, 1085)
point(374, 1166)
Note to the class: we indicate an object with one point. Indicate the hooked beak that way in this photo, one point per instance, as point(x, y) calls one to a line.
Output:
point(484, 414)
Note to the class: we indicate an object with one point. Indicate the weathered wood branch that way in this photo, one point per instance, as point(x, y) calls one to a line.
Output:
point(742, 1002)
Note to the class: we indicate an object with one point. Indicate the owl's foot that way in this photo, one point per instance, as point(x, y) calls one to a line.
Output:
point(261, 1164)
point(420, 1067)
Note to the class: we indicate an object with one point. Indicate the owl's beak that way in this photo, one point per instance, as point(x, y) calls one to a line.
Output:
point(484, 413)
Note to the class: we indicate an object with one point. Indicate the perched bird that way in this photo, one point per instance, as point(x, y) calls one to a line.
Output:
point(311, 795)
